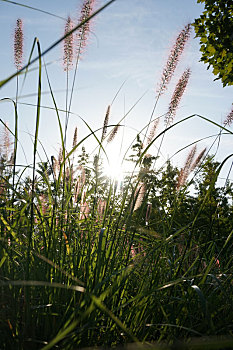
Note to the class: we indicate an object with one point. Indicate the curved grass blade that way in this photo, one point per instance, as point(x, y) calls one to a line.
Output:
point(173, 125)
point(42, 284)
point(33, 8)
point(8, 227)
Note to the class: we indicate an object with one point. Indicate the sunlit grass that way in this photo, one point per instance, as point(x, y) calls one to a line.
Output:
point(111, 248)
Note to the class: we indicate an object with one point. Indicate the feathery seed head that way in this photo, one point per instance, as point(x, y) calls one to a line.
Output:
point(60, 158)
point(180, 180)
point(152, 131)
point(75, 138)
point(198, 159)
point(185, 171)
point(190, 157)
point(106, 119)
point(83, 32)
point(69, 176)
point(176, 97)
point(6, 144)
point(113, 133)
point(6, 141)
point(173, 58)
point(229, 119)
point(83, 177)
point(68, 46)
point(139, 194)
point(18, 44)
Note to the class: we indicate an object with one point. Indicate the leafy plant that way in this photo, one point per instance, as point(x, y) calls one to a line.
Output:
point(214, 28)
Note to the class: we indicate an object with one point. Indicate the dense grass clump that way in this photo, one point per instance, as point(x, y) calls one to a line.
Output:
point(87, 260)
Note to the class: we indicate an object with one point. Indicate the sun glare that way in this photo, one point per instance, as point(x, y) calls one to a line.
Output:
point(113, 167)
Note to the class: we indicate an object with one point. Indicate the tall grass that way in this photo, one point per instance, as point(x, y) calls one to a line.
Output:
point(86, 261)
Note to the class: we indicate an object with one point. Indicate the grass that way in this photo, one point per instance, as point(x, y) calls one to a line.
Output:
point(86, 262)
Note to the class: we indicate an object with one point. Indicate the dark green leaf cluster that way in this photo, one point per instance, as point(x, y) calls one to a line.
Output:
point(215, 29)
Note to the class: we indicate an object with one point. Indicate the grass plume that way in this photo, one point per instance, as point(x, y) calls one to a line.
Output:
point(176, 97)
point(185, 171)
point(83, 32)
point(68, 46)
point(153, 130)
point(113, 133)
point(174, 58)
point(229, 119)
point(105, 126)
point(18, 44)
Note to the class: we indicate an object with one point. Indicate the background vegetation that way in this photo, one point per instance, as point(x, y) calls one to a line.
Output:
point(214, 28)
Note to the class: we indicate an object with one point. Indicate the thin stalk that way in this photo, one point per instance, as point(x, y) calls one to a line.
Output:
point(34, 165)
point(15, 138)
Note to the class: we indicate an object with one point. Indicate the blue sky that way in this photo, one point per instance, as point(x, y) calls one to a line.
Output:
point(130, 41)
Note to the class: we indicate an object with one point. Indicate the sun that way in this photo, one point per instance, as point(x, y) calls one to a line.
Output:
point(114, 167)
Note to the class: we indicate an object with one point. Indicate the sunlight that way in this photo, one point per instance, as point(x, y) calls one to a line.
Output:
point(114, 170)
point(113, 166)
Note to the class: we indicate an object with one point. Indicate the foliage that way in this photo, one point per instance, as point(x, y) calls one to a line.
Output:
point(87, 260)
point(214, 28)
point(118, 274)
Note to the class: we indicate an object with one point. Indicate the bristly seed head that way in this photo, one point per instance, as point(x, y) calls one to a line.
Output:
point(75, 138)
point(106, 120)
point(185, 171)
point(176, 97)
point(139, 194)
point(198, 160)
point(5, 145)
point(60, 157)
point(83, 32)
point(68, 46)
point(229, 119)
point(18, 44)
point(152, 131)
point(189, 166)
point(173, 58)
point(113, 133)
